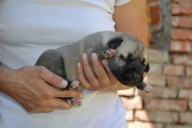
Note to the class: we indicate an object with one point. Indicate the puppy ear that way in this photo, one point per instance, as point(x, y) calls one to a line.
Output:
point(114, 43)
point(146, 69)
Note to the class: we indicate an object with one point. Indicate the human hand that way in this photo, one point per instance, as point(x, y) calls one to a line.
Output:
point(100, 78)
point(30, 86)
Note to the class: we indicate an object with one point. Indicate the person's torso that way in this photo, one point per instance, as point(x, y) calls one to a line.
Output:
point(32, 26)
point(29, 27)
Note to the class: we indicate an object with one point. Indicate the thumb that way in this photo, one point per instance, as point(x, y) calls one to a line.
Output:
point(53, 79)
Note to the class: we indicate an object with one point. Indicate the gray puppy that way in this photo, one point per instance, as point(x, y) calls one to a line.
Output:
point(128, 65)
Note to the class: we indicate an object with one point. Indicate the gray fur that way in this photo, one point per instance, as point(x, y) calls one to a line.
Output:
point(63, 61)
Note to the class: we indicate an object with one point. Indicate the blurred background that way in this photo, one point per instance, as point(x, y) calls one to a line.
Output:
point(170, 53)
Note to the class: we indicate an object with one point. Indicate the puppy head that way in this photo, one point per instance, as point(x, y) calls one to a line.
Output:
point(129, 65)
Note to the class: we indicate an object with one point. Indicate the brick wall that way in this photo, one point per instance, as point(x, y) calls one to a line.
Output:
point(170, 105)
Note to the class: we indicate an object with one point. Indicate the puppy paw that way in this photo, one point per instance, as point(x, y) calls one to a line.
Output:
point(148, 89)
point(109, 54)
point(75, 102)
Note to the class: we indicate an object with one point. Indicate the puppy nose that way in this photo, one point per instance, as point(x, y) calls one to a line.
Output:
point(134, 76)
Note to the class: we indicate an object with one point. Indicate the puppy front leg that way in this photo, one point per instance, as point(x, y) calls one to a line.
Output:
point(73, 85)
point(108, 54)
point(53, 61)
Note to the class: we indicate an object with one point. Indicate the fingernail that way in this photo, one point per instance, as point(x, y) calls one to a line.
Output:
point(75, 84)
point(84, 56)
point(94, 56)
point(64, 83)
point(79, 65)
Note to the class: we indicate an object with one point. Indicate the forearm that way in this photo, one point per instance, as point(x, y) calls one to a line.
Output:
point(132, 18)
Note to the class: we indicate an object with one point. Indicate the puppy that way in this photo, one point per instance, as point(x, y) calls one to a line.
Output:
point(128, 65)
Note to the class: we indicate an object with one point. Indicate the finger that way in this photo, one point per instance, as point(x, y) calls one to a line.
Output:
point(115, 83)
point(45, 110)
point(74, 84)
point(57, 103)
point(52, 78)
point(99, 70)
point(105, 64)
point(112, 78)
point(88, 72)
point(81, 77)
point(70, 93)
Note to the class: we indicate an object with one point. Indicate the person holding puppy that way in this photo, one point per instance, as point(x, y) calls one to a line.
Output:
point(27, 28)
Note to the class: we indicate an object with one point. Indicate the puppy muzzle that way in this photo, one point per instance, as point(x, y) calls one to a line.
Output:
point(131, 74)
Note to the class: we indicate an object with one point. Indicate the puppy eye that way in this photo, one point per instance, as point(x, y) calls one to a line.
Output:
point(123, 58)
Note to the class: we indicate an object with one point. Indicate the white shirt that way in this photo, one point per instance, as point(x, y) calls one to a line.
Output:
point(29, 27)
